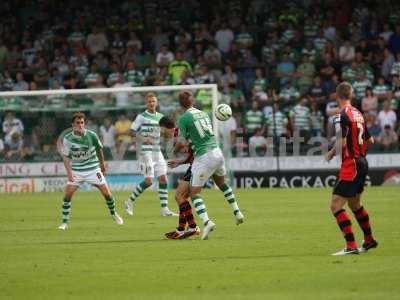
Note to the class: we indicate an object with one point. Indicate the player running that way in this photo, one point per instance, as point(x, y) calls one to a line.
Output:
point(151, 160)
point(195, 127)
point(84, 162)
point(350, 183)
point(186, 223)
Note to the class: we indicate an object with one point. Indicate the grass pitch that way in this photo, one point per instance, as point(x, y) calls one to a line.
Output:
point(280, 252)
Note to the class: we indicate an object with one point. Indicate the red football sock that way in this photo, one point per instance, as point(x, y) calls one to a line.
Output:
point(344, 223)
point(363, 220)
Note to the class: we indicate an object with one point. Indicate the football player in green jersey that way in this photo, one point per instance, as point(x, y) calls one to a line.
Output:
point(83, 158)
point(152, 164)
point(195, 128)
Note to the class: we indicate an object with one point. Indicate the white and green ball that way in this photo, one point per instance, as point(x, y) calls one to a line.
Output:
point(223, 112)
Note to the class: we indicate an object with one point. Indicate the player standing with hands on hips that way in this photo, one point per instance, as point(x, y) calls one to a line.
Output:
point(353, 142)
point(84, 162)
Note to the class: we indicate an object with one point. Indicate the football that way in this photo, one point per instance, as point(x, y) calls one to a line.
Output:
point(223, 112)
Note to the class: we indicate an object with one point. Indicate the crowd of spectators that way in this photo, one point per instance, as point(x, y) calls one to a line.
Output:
point(276, 63)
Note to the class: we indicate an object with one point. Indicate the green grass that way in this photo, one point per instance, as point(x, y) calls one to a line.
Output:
point(280, 252)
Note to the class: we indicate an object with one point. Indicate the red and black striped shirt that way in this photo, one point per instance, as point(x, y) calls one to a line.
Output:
point(355, 132)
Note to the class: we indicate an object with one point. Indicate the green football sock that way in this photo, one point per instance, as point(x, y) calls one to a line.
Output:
point(66, 210)
point(138, 190)
point(201, 209)
point(230, 198)
point(163, 194)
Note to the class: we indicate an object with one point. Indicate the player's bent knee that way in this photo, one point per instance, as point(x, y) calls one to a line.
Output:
point(162, 179)
point(148, 181)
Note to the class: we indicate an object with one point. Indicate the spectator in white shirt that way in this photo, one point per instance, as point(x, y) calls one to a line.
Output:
point(227, 133)
point(224, 38)
point(164, 57)
point(21, 84)
point(257, 143)
point(96, 41)
point(12, 124)
point(107, 136)
point(347, 52)
point(387, 116)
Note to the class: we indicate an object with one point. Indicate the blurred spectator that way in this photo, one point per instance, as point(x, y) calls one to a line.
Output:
point(21, 84)
point(12, 124)
point(388, 61)
point(395, 70)
point(227, 133)
point(224, 37)
point(159, 40)
point(212, 56)
point(360, 85)
point(285, 69)
point(244, 39)
point(96, 41)
point(204, 76)
point(115, 74)
point(388, 139)
point(316, 92)
point(108, 135)
point(121, 98)
point(369, 103)
point(259, 87)
point(300, 118)
point(254, 119)
point(276, 122)
point(134, 41)
point(229, 77)
point(381, 90)
point(387, 116)
point(394, 41)
point(123, 137)
point(372, 126)
point(316, 120)
point(91, 79)
point(1, 148)
point(346, 52)
point(289, 94)
point(177, 67)
point(237, 98)
point(257, 144)
point(164, 56)
point(305, 74)
point(132, 75)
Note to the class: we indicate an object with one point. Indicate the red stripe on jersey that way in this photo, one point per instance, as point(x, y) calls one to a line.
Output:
point(356, 141)
point(355, 132)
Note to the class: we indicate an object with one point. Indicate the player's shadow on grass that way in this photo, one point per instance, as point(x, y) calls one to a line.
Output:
point(101, 242)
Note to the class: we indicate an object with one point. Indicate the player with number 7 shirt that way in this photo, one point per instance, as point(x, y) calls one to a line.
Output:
point(352, 139)
point(196, 129)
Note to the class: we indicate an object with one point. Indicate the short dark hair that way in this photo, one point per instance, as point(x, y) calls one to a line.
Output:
point(78, 115)
point(166, 122)
point(344, 90)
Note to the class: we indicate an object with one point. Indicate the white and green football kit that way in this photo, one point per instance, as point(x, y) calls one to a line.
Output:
point(151, 160)
point(195, 126)
point(82, 151)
